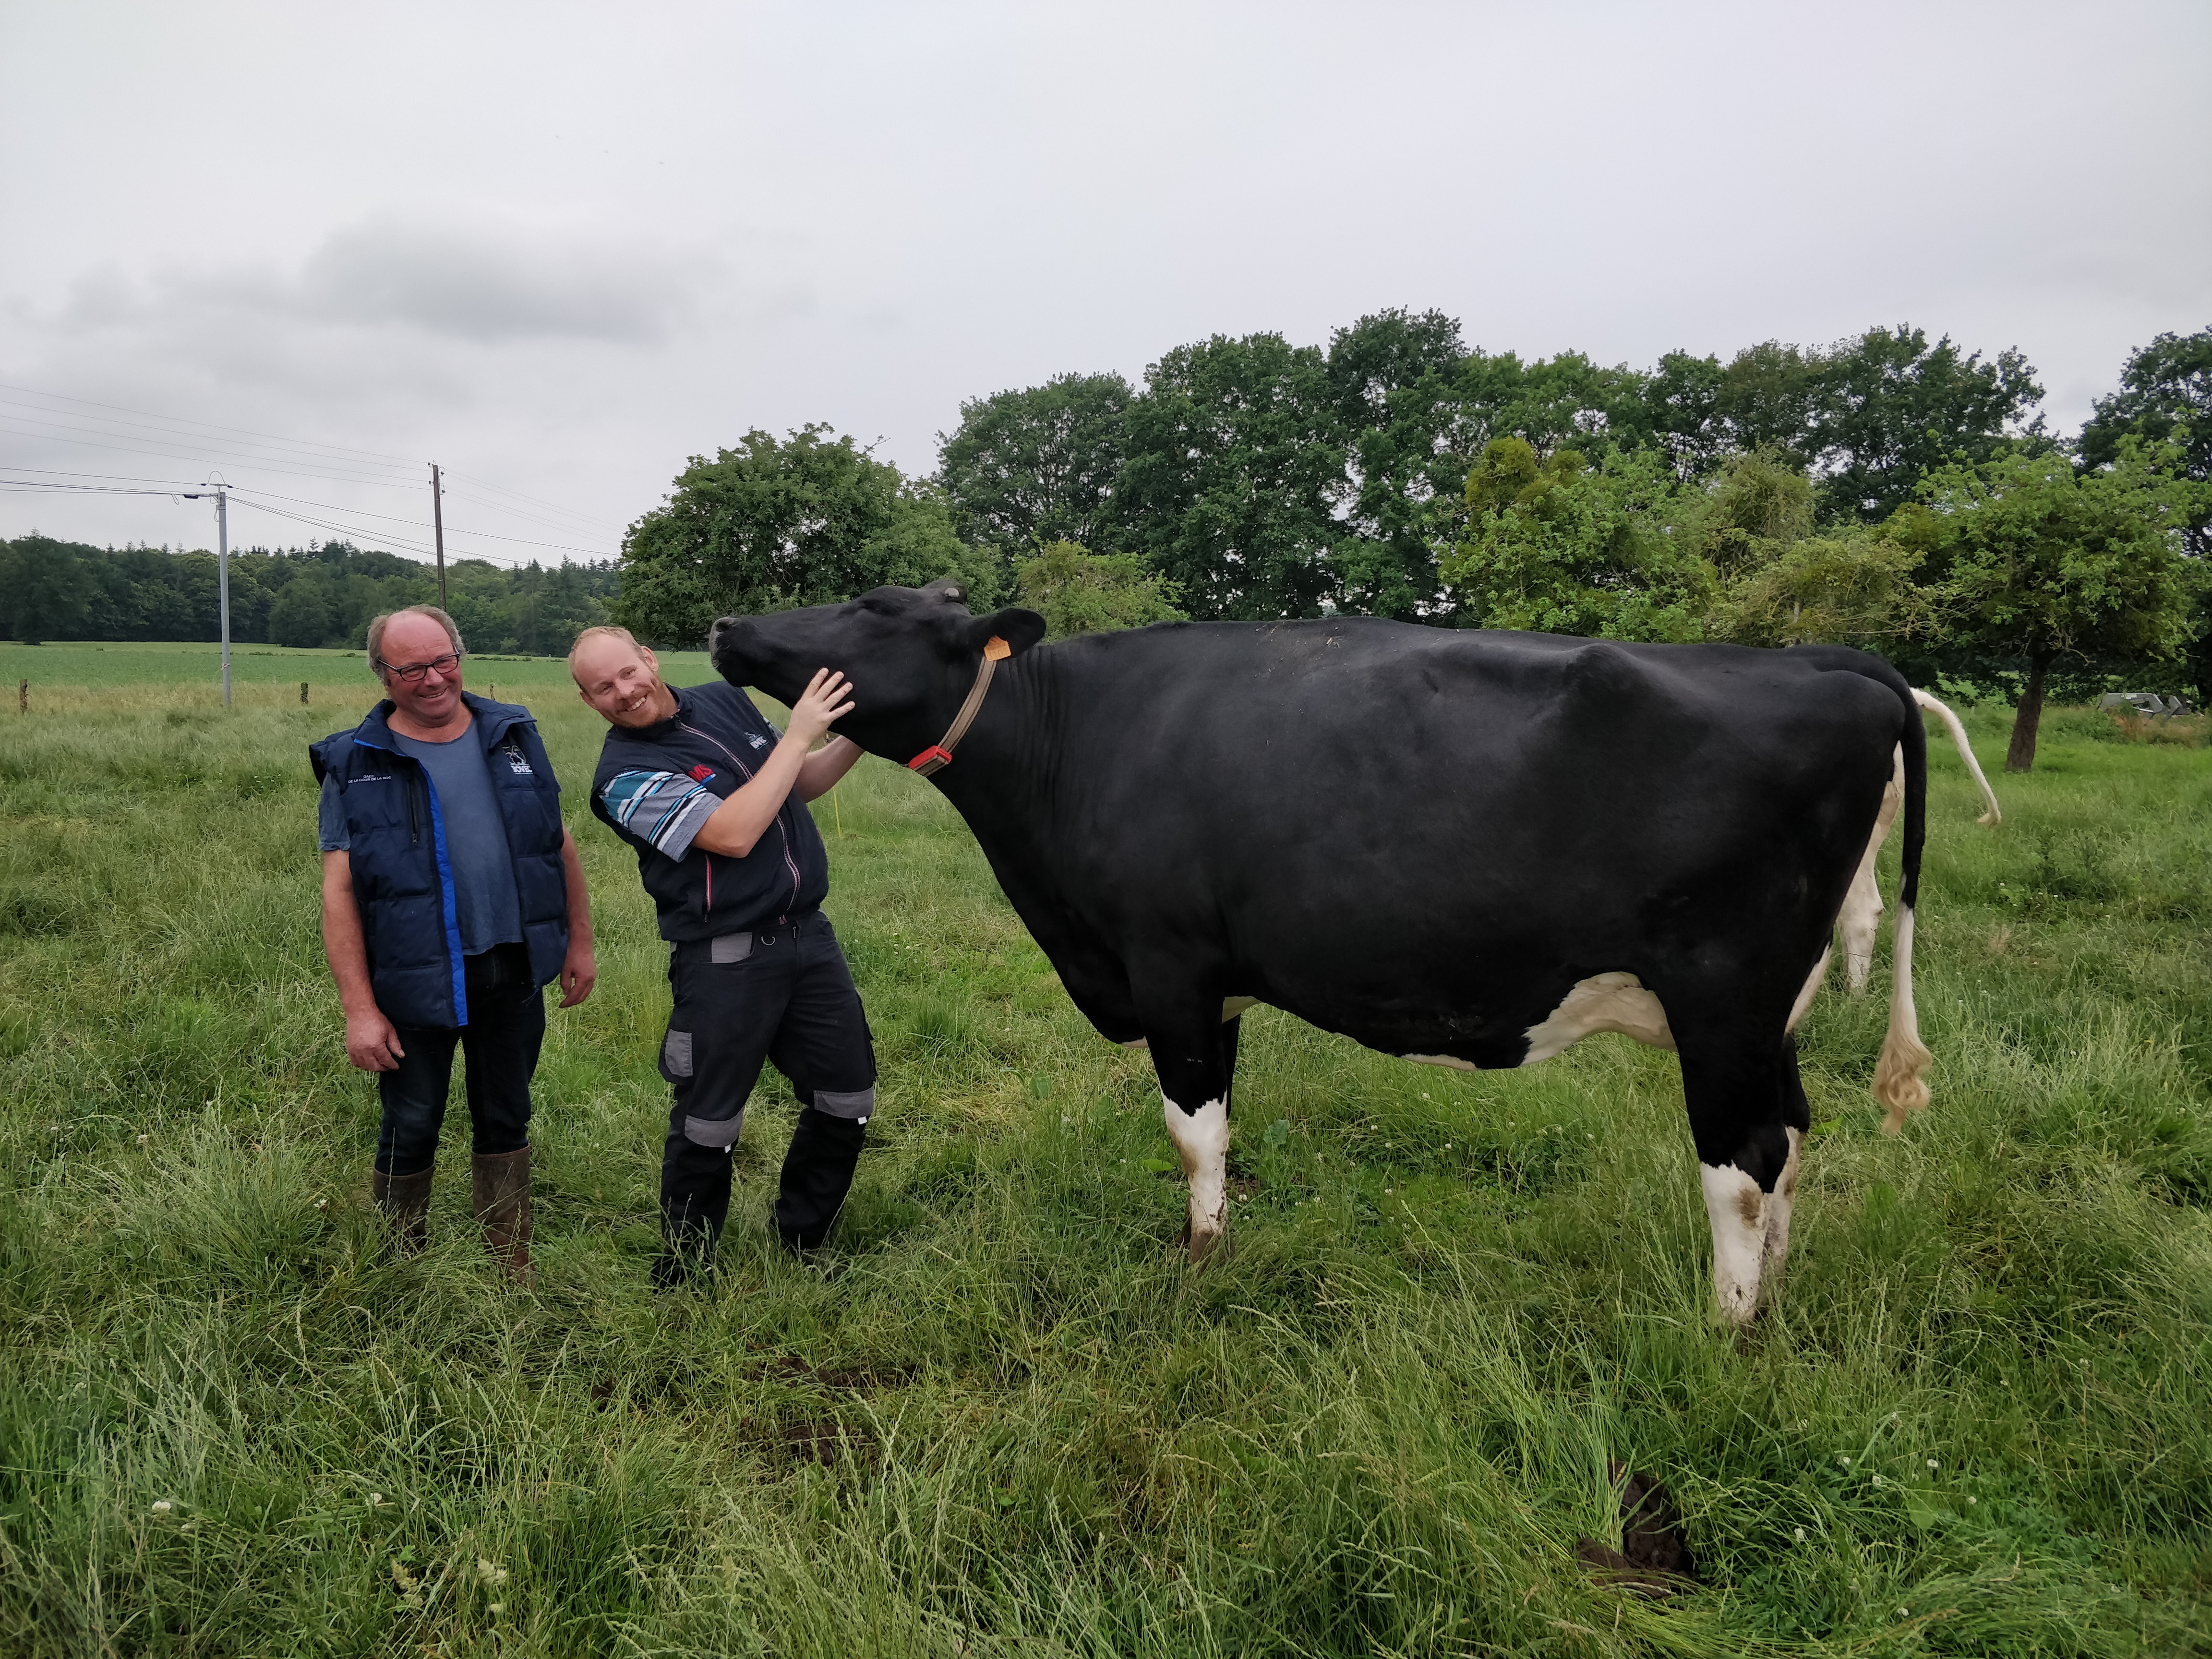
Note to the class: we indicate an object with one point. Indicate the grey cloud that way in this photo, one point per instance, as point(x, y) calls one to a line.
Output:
point(471, 286)
point(487, 288)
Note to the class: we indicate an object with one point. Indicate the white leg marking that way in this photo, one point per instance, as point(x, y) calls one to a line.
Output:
point(1137, 1043)
point(1604, 1002)
point(1232, 1006)
point(1812, 981)
point(1898, 1083)
point(1738, 1212)
point(1862, 911)
point(1452, 1060)
point(1778, 1205)
point(1202, 1139)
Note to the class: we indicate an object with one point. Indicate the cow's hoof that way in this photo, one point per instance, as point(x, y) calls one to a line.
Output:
point(1203, 1248)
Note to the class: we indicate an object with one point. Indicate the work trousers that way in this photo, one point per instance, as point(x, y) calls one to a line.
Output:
point(499, 1045)
point(781, 994)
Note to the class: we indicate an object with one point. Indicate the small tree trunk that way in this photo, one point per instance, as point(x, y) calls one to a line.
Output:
point(2021, 755)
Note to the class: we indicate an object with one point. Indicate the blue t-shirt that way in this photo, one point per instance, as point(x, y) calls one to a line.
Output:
point(488, 905)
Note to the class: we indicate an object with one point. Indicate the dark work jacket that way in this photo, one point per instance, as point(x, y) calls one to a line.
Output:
point(718, 739)
point(402, 881)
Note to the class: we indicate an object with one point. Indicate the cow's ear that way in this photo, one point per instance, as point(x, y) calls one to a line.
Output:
point(1019, 628)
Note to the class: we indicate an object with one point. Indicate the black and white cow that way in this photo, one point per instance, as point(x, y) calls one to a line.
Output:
point(1469, 849)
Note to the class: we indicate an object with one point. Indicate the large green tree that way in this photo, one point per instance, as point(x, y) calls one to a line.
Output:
point(2034, 560)
point(806, 519)
point(1235, 471)
point(1036, 466)
point(1891, 408)
point(2165, 400)
point(1405, 436)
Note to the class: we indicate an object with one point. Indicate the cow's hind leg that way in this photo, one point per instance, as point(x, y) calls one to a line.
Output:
point(1747, 1117)
point(1194, 1052)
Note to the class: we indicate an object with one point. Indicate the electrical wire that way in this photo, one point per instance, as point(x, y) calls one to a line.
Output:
point(218, 458)
point(179, 420)
point(132, 438)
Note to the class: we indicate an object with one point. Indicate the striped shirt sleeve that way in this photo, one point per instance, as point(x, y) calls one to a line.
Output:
point(664, 809)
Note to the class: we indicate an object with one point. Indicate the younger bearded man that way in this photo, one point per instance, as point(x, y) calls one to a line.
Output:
point(711, 796)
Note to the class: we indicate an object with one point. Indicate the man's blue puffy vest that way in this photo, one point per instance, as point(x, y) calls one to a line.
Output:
point(402, 881)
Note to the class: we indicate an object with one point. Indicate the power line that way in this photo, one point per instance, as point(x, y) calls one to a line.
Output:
point(363, 513)
point(291, 459)
point(179, 420)
point(101, 426)
point(181, 452)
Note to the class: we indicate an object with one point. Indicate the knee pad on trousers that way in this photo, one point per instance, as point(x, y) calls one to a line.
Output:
point(817, 1173)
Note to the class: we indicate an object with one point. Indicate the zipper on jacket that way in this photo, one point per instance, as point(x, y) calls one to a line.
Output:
point(789, 862)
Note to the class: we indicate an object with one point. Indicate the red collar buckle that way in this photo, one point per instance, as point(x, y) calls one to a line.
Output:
point(930, 759)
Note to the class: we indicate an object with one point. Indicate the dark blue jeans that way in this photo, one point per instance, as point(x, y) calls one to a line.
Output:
point(505, 1029)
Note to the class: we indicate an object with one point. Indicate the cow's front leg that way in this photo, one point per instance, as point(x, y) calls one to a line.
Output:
point(1195, 1066)
point(1747, 1115)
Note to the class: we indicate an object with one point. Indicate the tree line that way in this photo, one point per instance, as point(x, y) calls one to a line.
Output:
point(320, 596)
point(1884, 490)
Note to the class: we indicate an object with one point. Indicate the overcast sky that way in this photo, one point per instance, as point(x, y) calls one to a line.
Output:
point(558, 249)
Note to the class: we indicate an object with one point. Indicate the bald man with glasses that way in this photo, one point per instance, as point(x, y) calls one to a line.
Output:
point(451, 895)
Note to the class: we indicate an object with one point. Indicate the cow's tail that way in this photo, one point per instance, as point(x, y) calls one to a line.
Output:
point(1965, 753)
point(1899, 1076)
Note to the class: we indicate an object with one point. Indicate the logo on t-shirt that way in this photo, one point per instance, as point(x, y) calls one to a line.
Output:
point(701, 774)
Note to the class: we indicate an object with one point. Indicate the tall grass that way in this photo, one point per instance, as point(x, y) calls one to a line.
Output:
point(1004, 1415)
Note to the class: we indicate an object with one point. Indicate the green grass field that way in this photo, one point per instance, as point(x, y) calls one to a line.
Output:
point(1006, 1417)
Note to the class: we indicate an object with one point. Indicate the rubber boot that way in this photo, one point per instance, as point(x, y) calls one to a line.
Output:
point(405, 1201)
point(502, 1207)
point(817, 1173)
point(687, 1253)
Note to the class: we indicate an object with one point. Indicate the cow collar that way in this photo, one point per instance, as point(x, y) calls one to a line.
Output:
point(939, 753)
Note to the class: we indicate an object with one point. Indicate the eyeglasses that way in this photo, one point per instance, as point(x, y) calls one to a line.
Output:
point(413, 672)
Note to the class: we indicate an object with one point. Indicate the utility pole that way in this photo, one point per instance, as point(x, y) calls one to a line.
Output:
point(221, 494)
point(438, 519)
point(223, 580)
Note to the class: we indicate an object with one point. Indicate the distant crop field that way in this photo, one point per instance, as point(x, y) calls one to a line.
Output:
point(1004, 1416)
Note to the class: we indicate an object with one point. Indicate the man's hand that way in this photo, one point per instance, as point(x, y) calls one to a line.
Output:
point(825, 699)
point(579, 973)
point(371, 1042)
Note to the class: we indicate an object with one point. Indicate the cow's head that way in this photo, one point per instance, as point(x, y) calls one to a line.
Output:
point(911, 653)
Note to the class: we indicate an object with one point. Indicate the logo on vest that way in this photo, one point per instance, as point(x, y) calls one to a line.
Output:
point(701, 774)
point(756, 739)
point(516, 759)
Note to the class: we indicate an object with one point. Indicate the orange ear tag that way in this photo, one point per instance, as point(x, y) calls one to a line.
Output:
point(997, 649)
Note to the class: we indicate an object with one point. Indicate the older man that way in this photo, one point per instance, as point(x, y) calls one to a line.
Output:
point(451, 895)
point(710, 795)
